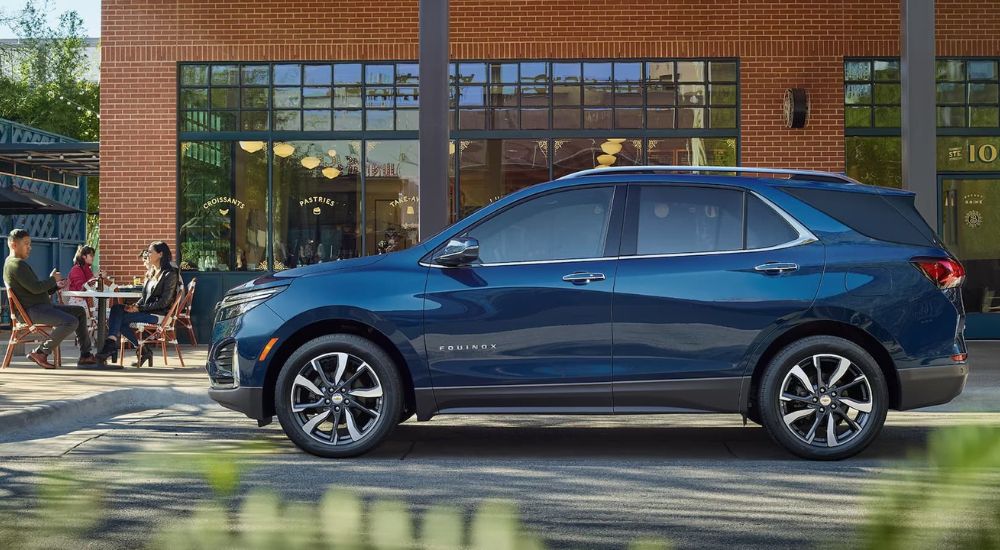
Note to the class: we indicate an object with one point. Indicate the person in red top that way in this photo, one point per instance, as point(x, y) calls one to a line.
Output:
point(81, 272)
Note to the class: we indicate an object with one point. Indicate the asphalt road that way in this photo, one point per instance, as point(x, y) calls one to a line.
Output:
point(579, 482)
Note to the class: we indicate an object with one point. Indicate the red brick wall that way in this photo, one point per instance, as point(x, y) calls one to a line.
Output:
point(780, 43)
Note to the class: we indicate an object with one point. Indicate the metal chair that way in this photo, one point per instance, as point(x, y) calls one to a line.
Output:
point(22, 327)
point(184, 315)
point(162, 333)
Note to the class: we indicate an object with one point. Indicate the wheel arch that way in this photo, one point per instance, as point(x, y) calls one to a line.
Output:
point(822, 327)
point(324, 327)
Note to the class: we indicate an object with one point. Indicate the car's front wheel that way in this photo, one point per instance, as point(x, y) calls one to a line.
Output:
point(823, 398)
point(338, 396)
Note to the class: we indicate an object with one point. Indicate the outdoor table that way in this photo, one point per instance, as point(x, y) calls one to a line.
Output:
point(102, 303)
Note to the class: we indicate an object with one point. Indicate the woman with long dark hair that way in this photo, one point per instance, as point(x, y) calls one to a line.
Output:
point(158, 294)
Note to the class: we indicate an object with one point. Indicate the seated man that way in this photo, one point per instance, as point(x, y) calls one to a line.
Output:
point(33, 294)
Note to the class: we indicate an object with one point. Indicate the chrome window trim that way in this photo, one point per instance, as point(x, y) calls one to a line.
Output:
point(528, 262)
point(804, 237)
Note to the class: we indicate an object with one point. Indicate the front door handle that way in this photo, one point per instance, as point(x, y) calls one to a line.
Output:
point(774, 268)
point(581, 278)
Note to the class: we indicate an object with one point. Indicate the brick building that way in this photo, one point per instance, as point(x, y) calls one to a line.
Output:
point(262, 135)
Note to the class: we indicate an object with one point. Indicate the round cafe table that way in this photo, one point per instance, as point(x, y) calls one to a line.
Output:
point(102, 303)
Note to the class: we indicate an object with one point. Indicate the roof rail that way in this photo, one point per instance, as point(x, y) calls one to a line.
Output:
point(794, 174)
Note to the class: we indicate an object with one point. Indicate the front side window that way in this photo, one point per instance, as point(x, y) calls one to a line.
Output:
point(678, 220)
point(557, 226)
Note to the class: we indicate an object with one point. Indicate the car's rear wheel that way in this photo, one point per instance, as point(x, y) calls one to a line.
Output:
point(823, 398)
point(338, 396)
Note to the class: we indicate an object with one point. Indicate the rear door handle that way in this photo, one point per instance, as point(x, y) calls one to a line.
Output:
point(774, 268)
point(583, 278)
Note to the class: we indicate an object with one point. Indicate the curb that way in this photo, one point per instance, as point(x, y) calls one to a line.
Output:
point(67, 414)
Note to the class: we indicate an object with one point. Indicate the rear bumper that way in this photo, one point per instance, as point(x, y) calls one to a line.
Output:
point(926, 386)
point(247, 400)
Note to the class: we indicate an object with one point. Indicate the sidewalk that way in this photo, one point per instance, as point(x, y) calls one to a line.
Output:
point(34, 399)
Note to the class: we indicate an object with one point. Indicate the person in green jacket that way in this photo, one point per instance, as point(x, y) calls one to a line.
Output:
point(34, 296)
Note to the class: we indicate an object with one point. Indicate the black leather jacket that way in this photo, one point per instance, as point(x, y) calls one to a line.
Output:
point(157, 298)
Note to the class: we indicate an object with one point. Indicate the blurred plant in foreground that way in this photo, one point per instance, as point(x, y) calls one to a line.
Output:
point(71, 510)
point(952, 501)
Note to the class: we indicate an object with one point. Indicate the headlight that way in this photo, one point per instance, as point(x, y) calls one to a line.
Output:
point(238, 304)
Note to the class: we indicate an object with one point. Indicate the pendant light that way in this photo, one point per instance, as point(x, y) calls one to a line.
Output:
point(330, 172)
point(283, 150)
point(310, 162)
point(611, 148)
point(251, 146)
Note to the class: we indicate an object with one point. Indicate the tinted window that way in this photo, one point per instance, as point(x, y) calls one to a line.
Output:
point(871, 214)
point(765, 227)
point(674, 220)
point(557, 226)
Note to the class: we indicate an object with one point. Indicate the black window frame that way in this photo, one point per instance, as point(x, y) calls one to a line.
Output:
point(546, 137)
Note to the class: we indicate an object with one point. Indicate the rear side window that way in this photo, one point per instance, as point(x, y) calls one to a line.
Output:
point(677, 220)
point(871, 214)
point(765, 227)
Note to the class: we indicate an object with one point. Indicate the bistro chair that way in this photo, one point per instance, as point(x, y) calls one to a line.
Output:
point(162, 333)
point(184, 315)
point(21, 328)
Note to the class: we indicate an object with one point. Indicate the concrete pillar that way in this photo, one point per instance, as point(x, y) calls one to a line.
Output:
point(918, 105)
point(433, 116)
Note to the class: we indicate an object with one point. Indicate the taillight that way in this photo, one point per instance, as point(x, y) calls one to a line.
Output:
point(944, 272)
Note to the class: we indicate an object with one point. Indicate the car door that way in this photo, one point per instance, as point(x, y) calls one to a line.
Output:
point(528, 326)
point(703, 271)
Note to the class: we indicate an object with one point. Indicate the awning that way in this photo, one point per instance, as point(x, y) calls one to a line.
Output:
point(16, 201)
point(59, 163)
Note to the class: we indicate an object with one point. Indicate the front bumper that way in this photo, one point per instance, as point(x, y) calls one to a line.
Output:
point(247, 400)
point(926, 386)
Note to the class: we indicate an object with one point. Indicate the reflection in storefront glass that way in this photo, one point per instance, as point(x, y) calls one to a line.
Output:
point(691, 151)
point(970, 222)
point(392, 195)
point(573, 155)
point(493, 168)
point(317, 197)
point(223, 198)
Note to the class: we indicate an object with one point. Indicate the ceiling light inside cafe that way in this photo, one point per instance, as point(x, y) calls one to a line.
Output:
point(331, 172)
point(606, 160)
point(283, 150)
point(251, 146)
point(310, 162)
point(611, 148)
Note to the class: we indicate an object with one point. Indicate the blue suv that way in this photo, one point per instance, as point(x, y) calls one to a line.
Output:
point(805, 301)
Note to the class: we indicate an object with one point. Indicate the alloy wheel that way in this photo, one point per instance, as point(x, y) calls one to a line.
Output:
point(826, 400)
point(337, 399)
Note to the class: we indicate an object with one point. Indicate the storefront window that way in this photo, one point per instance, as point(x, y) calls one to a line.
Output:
point(325, 165)
point(573, 155)
point(223, 194)
point(692, 152)
point(392, 195)
point(317, 202)
point(875, 160)
point(496, 167)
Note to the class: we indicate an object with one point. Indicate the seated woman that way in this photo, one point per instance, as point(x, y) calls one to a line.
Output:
point(158, 295)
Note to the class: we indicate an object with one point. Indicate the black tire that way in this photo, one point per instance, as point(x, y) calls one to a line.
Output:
point(791, 437)
point(390, 403)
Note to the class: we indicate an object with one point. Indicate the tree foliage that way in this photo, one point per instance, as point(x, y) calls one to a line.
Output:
point(43, 80)
point(42, 75)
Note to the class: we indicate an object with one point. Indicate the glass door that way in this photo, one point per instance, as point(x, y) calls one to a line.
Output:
point(970, 227)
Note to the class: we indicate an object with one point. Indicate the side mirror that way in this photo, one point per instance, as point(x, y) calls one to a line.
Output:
point(459, 251)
